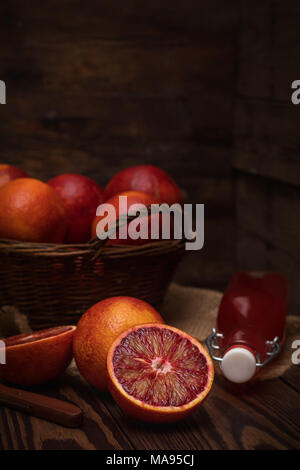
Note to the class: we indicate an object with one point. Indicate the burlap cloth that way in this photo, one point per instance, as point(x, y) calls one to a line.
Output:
point(191, 309)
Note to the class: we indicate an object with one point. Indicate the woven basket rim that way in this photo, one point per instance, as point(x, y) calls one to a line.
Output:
point(93, 248)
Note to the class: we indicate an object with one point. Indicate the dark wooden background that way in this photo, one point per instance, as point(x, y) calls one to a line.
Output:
point(267, 141)
point(201, 89)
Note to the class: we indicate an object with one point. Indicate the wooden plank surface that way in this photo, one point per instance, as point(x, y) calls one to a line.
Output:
point(264, 415)
point(74, 19)
point(113, 69)
point(267, 139)
point(271, 211)
point(266, 121)
point(268, 229)
point(269, 49)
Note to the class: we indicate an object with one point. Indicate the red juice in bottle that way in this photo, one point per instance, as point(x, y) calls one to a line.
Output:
point(250, 323)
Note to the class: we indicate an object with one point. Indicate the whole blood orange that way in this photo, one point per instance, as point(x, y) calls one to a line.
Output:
point(133, 197)
point(81, 197)
point(100, 326)
point(31, 211)
point(147, 178)
point(36, 358)
point(9, 173)
point(158, 373)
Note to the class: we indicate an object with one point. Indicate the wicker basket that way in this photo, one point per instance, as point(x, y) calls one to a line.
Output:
point(55, 284)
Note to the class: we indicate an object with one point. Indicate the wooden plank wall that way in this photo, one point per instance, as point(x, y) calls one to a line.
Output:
point(267, 141)
point(94, 87)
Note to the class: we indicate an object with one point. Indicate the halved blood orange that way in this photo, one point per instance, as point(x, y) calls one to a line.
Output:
point(35, 358)
point(158, 373)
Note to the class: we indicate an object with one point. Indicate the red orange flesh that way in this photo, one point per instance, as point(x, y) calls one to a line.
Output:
point(158, 373)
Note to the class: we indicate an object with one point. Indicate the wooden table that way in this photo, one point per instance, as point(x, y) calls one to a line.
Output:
point(264, 415)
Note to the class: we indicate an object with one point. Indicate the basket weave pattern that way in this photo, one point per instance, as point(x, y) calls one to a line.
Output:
point(55, 284)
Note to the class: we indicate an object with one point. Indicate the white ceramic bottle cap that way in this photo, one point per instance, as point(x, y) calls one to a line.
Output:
point(238, 365)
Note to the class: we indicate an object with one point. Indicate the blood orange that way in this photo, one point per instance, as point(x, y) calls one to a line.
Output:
point(158, 373)
point(123, 236)
point(31, 211)
point(36, 358)
point(98, 328)
point(147, 178)
point(81, 197)
point(9, 173)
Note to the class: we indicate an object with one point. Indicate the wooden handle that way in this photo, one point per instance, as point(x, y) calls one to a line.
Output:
point(50, 409)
